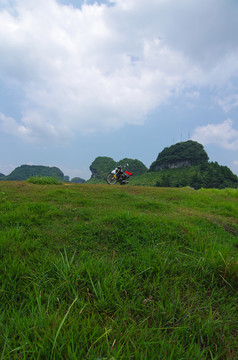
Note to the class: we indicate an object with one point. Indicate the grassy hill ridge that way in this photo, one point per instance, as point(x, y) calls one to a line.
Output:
point(95, 271)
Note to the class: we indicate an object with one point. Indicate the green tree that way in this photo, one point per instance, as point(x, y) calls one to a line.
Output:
point(196, 180)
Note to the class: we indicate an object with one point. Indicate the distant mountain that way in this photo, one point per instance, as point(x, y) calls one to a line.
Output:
point(182, 154)
point(77, 180)
point(24, 172)
point(102, 165)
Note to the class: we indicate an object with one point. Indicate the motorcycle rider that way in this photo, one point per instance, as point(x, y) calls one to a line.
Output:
point(119, 172)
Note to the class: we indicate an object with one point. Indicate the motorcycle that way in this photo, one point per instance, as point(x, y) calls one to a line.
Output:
point(118, 175)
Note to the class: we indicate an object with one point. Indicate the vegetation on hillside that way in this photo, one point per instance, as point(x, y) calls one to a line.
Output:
point(24, 172)
point(101, 166)
point(182, 154)
point(133, 165)
point(2, 176)
point(207, 175)
point(99, 272)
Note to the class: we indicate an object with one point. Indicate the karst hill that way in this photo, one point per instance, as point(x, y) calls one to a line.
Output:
point(24, 172)
point(182, 154)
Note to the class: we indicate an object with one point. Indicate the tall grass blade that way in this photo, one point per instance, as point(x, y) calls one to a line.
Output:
point(61, 324)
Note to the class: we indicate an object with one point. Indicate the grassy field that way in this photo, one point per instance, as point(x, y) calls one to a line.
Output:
point(111, 272)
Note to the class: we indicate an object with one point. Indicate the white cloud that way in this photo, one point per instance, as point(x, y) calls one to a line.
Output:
point(229, 102)
point(223, 135)
point(10, 126)
point(98, 68)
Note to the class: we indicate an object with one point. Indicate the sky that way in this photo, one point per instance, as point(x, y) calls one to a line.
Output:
point(118, 78)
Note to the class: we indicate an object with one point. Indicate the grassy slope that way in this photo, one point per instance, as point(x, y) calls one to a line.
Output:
point(102, 272)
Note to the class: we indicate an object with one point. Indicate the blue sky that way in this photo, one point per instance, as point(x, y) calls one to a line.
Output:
point(122, 78)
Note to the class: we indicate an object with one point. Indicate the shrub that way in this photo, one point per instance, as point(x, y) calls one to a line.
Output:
point(44, 180)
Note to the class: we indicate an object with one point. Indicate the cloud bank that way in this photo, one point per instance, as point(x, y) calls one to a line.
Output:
point(98, 68)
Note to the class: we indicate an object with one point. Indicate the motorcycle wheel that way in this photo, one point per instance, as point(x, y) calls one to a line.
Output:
point(124, 180)
point(111, 180)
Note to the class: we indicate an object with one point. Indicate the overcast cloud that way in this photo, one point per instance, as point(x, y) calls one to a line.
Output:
point(97, 68)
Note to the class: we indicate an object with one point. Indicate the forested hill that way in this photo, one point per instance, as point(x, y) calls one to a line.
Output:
point(182, 154)
point(24, 172)
point(186, 164)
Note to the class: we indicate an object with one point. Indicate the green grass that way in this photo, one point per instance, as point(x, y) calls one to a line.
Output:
point(44, 180)
point(111, 272)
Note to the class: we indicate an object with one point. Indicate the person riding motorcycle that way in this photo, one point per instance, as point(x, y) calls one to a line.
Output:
point(118, 175)
point(119, 172)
